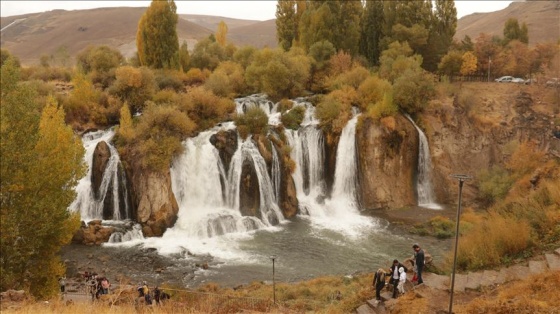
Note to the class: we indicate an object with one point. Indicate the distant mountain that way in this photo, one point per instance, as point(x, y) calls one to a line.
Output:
point(542, 19)
point(31, 35)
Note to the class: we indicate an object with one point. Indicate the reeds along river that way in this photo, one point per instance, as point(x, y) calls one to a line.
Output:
point(330, 236)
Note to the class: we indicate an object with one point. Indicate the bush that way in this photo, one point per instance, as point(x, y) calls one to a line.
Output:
point(227, 80)
point(372, 91)
point(205, 108)
point(47, 74)
point(443, 227)
point(254, 121)
point(333, 114)
point(292, 119)
point(195, 76)
point(134, 86)
point(494, 184)
point(169, 80)
point(352, 78)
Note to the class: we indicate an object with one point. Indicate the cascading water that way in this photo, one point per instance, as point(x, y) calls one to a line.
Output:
point(424, 180)
point(275, 173)
point(340, 211)
point(113, 184)
point(259, 101)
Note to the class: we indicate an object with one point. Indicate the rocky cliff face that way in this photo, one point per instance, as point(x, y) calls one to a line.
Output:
point(467, 139)
point(387, 162)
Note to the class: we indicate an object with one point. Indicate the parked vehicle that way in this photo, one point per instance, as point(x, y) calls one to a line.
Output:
point(518, 80)
point(504, 79)
point(553, 82)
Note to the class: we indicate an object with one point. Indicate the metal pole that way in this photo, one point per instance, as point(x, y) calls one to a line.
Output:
point(462, 179)
point(489, 64)
point(273, 257)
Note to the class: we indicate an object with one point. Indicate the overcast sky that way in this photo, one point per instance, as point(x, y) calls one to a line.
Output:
point(250, 10)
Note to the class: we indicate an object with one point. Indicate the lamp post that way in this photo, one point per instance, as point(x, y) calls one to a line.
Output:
point(273, 258)
point(462, 178)
point(489, 64)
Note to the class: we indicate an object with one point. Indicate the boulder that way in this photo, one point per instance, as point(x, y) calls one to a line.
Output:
point(249, 193)
point(94, 233)
point(155, 203)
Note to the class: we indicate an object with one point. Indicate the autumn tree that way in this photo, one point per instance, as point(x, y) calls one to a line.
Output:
point(372, 31)
point(469, 64)
point(278, 73)
point(184, 57)
point(451, 63)
point(41, 162)
point(286, 29)
point(156, 37)
point(100, 63)
point(221, 33)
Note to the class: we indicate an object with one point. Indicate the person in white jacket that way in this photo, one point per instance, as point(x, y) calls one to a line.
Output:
point(402, 280)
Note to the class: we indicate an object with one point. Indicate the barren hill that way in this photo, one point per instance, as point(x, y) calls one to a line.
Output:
point(542, 19)
point(32, 35)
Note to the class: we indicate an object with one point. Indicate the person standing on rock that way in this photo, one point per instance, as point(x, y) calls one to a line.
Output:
point(394, 271)
point(418, 261)
point(402, 280)
point(379, 282)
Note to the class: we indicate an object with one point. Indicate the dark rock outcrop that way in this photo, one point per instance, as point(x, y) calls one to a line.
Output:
point(387, 162)
point(249, 193)
point(226, 143)
point(101, 156)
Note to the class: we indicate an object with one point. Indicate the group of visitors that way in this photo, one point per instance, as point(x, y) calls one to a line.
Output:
point(96, 285)
point(397, 274)
point(145, 293)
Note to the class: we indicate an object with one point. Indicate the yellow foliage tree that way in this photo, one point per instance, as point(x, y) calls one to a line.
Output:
point(221, 33)
point(469, 64)
point(42, 160)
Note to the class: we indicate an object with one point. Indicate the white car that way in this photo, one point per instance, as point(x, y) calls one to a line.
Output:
point(518, 80)
point(504, 79)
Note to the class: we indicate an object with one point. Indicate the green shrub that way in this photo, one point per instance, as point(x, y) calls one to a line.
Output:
point(443, 227)
point(292, 119)
point(254, 121)
point(494, 184)
point(205, 108)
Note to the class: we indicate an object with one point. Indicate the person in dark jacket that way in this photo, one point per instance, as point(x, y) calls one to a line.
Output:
point(379, 282)
point(394, 273)
point(419, 261)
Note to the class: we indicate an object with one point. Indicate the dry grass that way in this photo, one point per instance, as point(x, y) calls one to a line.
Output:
point(537, 294)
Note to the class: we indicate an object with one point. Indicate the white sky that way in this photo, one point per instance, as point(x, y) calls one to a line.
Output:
point(250, 10)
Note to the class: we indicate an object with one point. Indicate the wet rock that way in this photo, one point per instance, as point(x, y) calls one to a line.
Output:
point(155, 202)
point(387, 162)
point(249, 193)
point(101, 156)
point(93, 234)
point(226, 143)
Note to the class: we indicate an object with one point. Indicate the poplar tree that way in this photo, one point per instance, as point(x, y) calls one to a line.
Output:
point(41, 162)
point(286, 28)
point(512, 31)
point(372, 31)
point(221, 33)
point(441, 33)
point(156, 37)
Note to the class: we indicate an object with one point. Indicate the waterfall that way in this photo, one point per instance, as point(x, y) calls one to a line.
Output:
point(424, 179)
point(339, 212)
point(90, 206)
point(259, 101)
point(135, 233)
point(275, 173)
point(345, 179)
point(206, 209)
